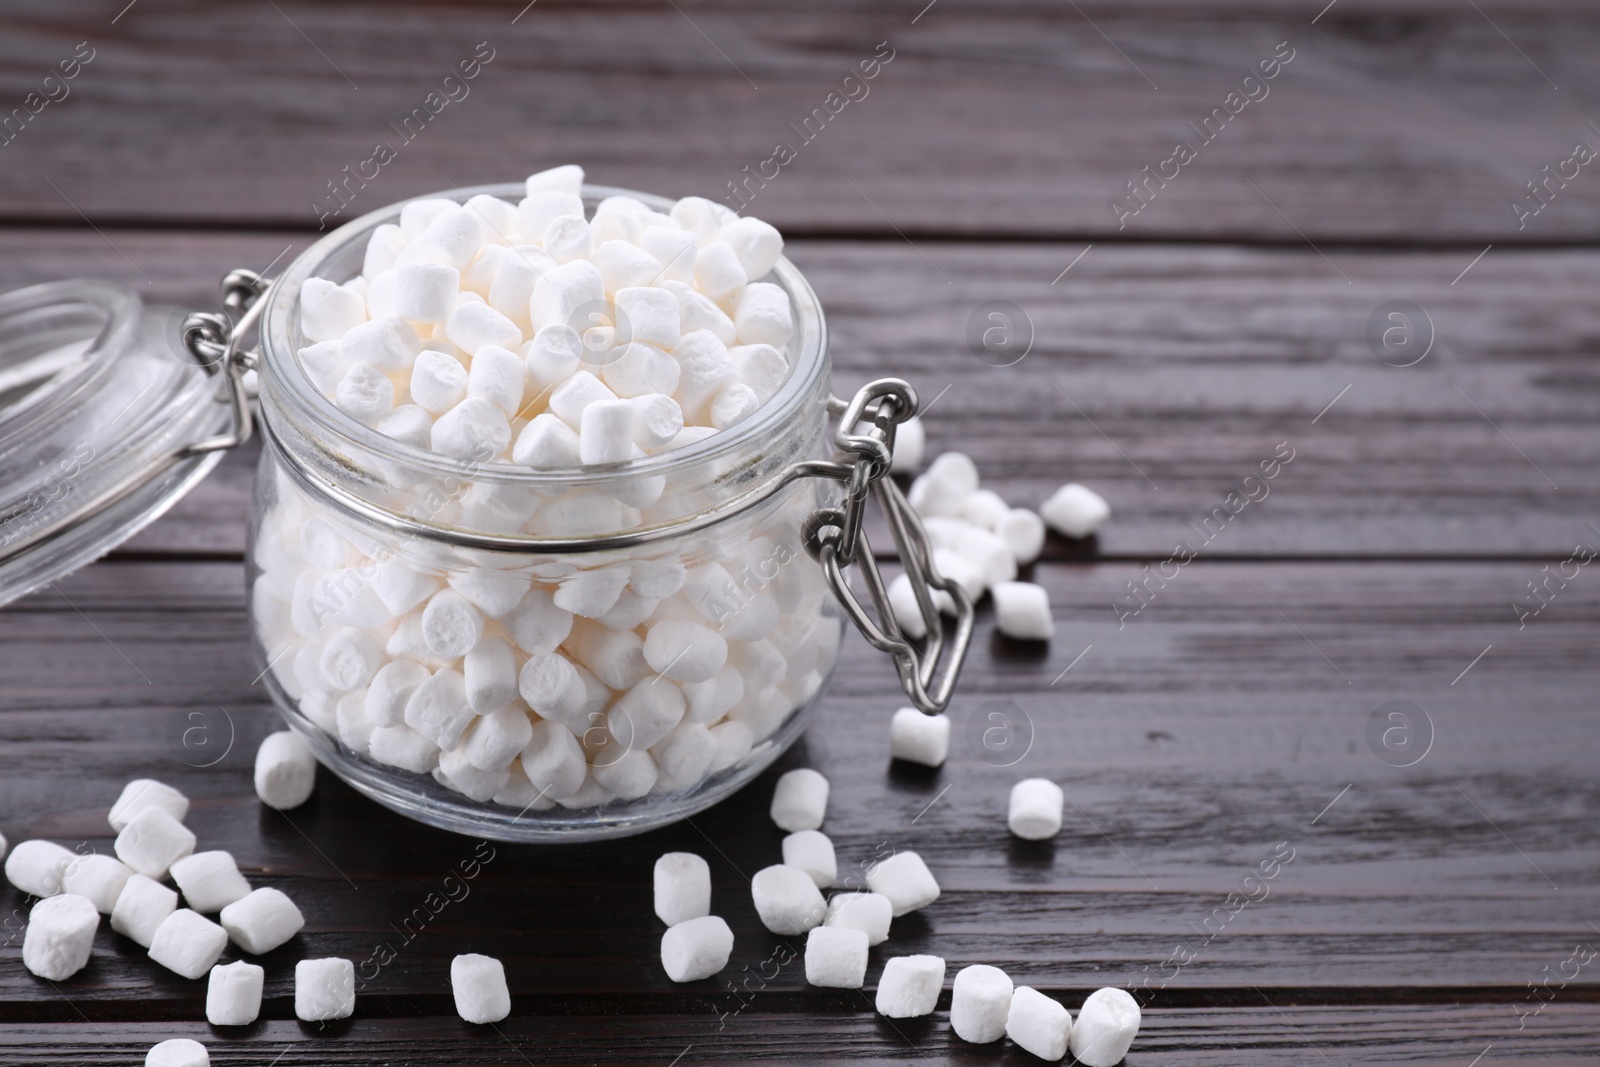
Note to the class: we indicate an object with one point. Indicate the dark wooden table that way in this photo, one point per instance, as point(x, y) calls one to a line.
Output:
point(1430, 911)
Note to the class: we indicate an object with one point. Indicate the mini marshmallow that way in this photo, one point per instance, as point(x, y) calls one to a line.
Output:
point(905, 880)
point(497, 375)
point(1075, 510)
point(542, 207)
point(498, 738)
point(567, 178)
point(438, 708)
point(563, 294)
point(553, 761)
point(1022, 611)
point(800, 800)
point(451, 626)
point(324, 989)
point(734, 742)
point(402, 747)
point(787, 900)
point(454, 235)
point(910, 446)
point(696, 311)
point(568, 237)
point(60, 936)
point(385, 244)
point(438, 382)
point(522, 794)
point(909, 987)
point(615, 656)
point(490, 672)
point(285, 771)
point(546, 443)
point(757, 244)
point(674, 249)
point(871, 913)
point(151, 841)
point(387, 344)
point(733, 405)
point(762, 368)
point(233, 994)
point(209, 881)
point(553, 687)
point(682, 887)
point(705, 369)
point(710, 700)
point(762, 315)
point(497, 217)
point(474, 326)
point(325, 364)
point(187, 943)
point(516, 274)
point(657, 420)
point(475, 430)
point(812, 852)
point(704, 218)
point(1107, 1024)
point(685, 651)
point(1036, 808)
point(37, 867)
point(683, 756)
point(328, 310)
point(350, 659)
point(392, 686)
point(1023, 533)
point(408, 424)
point(350, 718)
point(98, 879)
point(262, 920)
point(696, 948)
point(984, 508)
point(646, 713)
point(426, 292)
point(141, 908)
point(478, 984)
point(1038, 1024)
point(144, 793)
point(635, 369)
point(836, 957)
point(572, 396)
point(987, 552)
point(919, 738)
point(907, 612)
point(177, 1052)
point(980, 1002)
point(628, 776)
point(606, 432)
point(647, 314)
point(415, 216)
point(456, 772)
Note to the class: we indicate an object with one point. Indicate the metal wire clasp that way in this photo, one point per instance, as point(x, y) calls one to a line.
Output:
point(836, 538)
point(216, 343)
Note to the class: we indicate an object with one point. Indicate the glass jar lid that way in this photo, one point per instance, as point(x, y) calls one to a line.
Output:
point(100, 405)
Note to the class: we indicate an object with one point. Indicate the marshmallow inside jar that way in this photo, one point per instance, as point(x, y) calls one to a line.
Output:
point(524, 559)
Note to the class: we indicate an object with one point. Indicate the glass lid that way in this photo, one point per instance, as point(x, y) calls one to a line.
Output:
point(99, 405)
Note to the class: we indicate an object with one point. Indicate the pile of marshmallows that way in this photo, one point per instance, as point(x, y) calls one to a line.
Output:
point(984, 1004)
point(152, 846)
point(527, 333)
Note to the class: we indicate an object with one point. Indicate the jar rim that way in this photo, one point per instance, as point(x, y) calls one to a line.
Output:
point(284, 379)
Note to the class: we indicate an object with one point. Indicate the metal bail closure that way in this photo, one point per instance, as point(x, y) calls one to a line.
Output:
point(836, 538)
point(216, 344)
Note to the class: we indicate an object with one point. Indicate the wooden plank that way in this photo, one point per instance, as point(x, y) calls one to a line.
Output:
point(1421, 120)
point(1161, 376)
point(1203, 738)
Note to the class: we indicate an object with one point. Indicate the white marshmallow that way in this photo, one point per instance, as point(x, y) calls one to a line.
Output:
point(591, 593)
point(959, 569)
point(984, 508)
point(657, 420)
point(451, 626)
point(762, 368)
point(674, 249)
point(910, 446)
point(733, 405)
point(351, 722)
point(648, 315)
point(151, 841)
point(546, 443)
point(762, 315)
point(540, 208)
point(328, 310)
point(757, 244)
point(426, 292)
point(568, 238)
point(388, 344)
point(475, 429)
point(909, 987)
point(567, 178)
point(474, 326)
point(646, 713)
point(497, 375)
point(1107, 1024)
point(497, 739)
point(907, 612)
point(552, 687)
point(682, 887)
point(812, 852)
point(787, 900)
point(704, 218)
point(177, 1052)
point(619, 218)
point(871, 913)
point(37, 867)
point(456, 772)
point(350, 659)
point(490, 671)
point(1038, 1024)
point(497, 217)
point(141, 908)
point(1075, 510)
point(60, 936)
point(836, 957)
point(536, 624)
point(606, 434)
point(988, 553)
point(522, 794)
point(696, 949)
point(187, 943)
point(696, 311)
point(1036, 808)
point(408, 424)
point(285, 770)
point(565, 295)
point(491, 590)
point(233, 994)
point(1022, 611)
point(478, 984)
point(636, 369)
point(383, 291)
point(325, 364)
point(386, 242)
point(615, 656)
point(511, 286)
point(905, 880)
point(630, 611)
point(1023, 533)
point(404, 748)
point(710, 700)
point(717, 271)
point(262, 920)
point(454, 235)
point(365, 394)
point(98, 879)
point(683, 757)
point(705, 370)
point(438, 708)
point(919, 738)
point(415, 216)
point(552, 357)
point(800, 800)
point(392, 686)
point(980, 1001)
point(144, 792)
point(629, 776)
point(685, 651)
point(438, 381)
point(572, 396)
point(735, 740)
point(324, 989)
point(552, 760)
point(209, 881)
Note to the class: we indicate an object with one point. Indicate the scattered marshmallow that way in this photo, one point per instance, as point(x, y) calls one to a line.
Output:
point(980, 1002)
point(1107, 1024)
point(787, 900)
point(187, 943)
point(871, 913)
point(233, 994)
point(919, 738)
point(177, 1052)
point(152, 840)
point(1075, 510)
point(682, 887)
point(478, 984)
point(1036, 809)
point(1038, 1024)
point(909, 987)
point(37, 867)
point(60, 936)
point(812, 852)
point(99, 879)
point(209, 881)
point(696, 948)
point(141, 908)
point(144, 793)
point(261, 921)
point(800, 800)
point(905, 880)
point(1022, 611)
point(836, 957)
point(285, 771)
point(324, 989)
